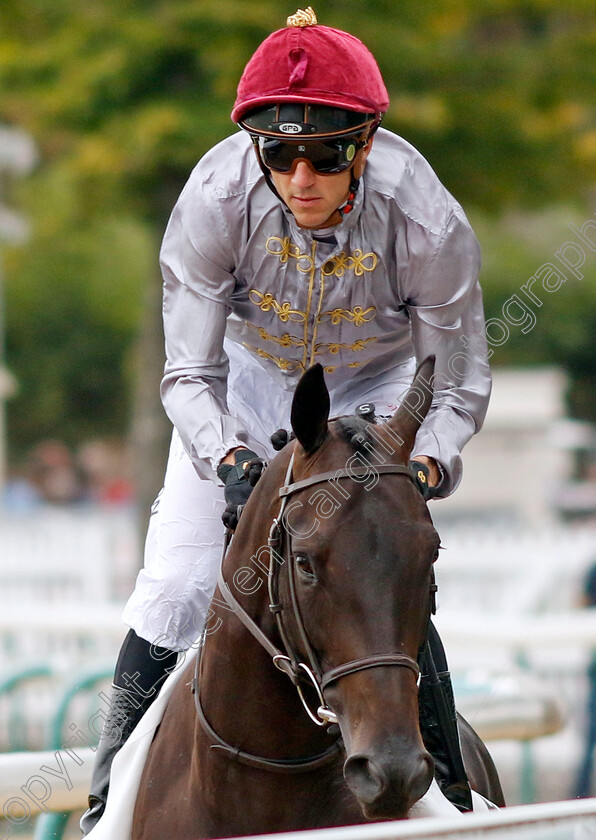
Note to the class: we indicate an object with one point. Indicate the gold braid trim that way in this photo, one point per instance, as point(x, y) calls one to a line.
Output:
point(303, 17)
point(266, 302)
point(356, 347)
point(286, 340)
point(289, 365)
point(357, 316)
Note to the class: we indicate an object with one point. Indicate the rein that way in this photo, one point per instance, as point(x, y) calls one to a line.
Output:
point(289, 661)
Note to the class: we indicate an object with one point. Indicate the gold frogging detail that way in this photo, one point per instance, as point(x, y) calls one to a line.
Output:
point(356, 347)
point(356, 262)
point(303, 17)
point(290, 365)
point(285, 340)
point(285, 250)
point(333, 368)
point(266, 302)
point(357, 316)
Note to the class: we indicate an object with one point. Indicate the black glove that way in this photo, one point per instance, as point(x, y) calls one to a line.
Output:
point(231, 516)
point(421, 473)
point(239, 479)
point(279, 439)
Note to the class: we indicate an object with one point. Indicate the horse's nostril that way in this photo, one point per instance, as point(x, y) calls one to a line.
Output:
point(422, 775)
point(388, 791)
point(366, 780)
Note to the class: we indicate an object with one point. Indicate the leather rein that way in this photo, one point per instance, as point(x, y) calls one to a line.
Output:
point(289, 660)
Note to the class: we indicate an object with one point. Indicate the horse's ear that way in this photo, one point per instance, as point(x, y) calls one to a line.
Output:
point(415, 405)
point(310, 409)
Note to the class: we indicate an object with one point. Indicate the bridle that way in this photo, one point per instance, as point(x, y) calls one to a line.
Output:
point(289, 660)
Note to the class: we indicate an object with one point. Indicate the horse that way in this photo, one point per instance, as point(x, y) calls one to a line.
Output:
point(302, 708)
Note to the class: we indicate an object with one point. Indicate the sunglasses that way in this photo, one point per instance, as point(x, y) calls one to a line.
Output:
point(327, 157)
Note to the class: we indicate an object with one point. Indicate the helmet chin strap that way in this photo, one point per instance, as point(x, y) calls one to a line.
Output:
point(357, 171)
point(348, 205)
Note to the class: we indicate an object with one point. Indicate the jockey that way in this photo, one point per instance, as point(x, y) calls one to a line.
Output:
point(311, 235)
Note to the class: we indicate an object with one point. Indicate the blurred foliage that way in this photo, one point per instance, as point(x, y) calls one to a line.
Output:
point(123, 98)
point(560, 329)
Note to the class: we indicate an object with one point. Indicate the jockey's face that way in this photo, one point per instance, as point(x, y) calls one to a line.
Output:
point(312, 198)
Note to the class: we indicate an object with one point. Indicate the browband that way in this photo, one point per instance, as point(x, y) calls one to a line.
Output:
point(383, 469)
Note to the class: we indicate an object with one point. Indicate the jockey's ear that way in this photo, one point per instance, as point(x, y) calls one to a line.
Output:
point(361, 157)
point(310, 409)
point(414, 407)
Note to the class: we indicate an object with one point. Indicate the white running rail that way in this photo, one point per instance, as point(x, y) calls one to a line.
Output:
point(561, 820)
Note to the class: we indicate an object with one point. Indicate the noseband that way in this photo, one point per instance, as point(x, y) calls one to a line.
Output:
point(289, 660)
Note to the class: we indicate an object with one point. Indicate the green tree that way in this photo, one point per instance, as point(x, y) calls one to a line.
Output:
point(549, 327)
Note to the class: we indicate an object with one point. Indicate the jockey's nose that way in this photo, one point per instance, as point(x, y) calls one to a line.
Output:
point(303, 175)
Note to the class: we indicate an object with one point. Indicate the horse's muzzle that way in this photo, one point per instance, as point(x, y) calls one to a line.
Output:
point(387, 789)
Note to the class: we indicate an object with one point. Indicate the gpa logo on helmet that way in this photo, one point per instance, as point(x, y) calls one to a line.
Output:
point(290, 128)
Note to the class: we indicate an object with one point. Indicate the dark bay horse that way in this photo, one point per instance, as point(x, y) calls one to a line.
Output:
point(325, 588)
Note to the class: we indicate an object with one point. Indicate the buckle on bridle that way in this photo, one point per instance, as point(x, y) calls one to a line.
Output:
point(324, 715)
point(274, 538)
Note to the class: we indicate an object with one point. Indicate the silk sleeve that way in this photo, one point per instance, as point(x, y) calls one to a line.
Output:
point(447, 320)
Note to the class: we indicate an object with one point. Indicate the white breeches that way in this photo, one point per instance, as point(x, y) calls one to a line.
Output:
point(435, 804)
point(184, 542)
point(183, 551)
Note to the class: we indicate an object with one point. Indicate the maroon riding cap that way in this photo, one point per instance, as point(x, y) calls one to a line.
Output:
point(307, 62)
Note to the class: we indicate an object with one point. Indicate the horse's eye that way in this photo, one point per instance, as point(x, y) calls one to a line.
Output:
point(305, 567)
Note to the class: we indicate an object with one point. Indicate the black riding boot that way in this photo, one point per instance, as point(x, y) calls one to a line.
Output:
point(438, 724)
point(140, 672)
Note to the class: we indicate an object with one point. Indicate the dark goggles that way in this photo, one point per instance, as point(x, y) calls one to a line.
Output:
point(327, 157)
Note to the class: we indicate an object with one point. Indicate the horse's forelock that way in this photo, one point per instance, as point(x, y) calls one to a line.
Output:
point(355, 430)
